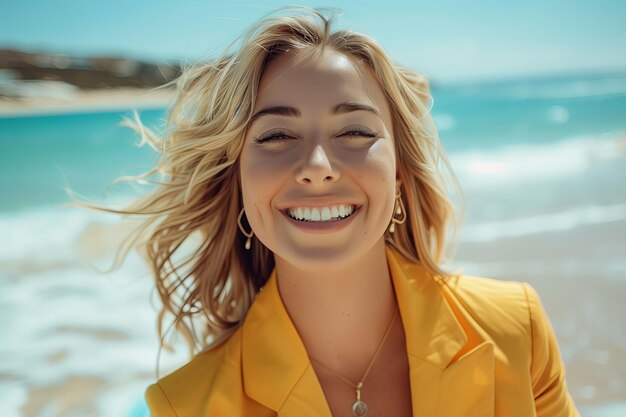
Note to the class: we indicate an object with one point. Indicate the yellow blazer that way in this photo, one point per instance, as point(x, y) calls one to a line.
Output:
point(476, 347)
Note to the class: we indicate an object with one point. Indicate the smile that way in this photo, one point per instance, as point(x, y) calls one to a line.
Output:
point(323, 214)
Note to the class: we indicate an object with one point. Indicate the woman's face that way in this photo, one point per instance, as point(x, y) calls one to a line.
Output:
point(320, 145)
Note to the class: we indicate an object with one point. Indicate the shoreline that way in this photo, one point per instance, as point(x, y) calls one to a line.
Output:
point(86, 101)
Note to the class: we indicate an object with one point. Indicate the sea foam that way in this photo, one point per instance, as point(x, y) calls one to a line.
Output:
point(65, 321)
point(514, 164)
point(561, 221)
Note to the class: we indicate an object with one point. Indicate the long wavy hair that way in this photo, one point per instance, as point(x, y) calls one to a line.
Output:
point(190, 233)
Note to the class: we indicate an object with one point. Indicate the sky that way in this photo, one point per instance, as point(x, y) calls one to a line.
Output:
point(447, 40)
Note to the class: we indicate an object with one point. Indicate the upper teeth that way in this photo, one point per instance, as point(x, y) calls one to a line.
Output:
point(316, 214)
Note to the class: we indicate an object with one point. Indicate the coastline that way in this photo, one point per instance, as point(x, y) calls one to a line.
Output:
point(82, 101)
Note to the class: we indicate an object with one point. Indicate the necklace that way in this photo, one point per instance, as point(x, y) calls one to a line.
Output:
point(359, 407)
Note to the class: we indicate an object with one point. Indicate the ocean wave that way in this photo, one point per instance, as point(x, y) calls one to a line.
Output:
point(51, 294)
point(571, 268)
point(56, 237)
point(73, 314)
point(561, 221)
point(539, 162)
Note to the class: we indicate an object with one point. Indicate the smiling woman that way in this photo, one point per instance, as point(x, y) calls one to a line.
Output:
point(327, 146)
point(307, 165)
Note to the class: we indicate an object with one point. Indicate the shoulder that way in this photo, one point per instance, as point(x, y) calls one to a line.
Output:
point(484, 286)
point(503, 309)
point(500, 301)
point(188, 390)
point(486, 296)
point(512, 315)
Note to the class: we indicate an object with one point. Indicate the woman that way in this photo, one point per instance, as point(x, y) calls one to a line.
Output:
point(305, 166)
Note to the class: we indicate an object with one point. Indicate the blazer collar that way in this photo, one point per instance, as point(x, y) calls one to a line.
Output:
point(451, 362)
point(275, 364)
point(432, 331)
point(445, 355)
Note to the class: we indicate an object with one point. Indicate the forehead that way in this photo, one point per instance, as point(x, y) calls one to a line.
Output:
point(324, 80)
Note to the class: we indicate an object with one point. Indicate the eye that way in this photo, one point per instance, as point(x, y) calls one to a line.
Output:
point(277, 136)
point(357, 131)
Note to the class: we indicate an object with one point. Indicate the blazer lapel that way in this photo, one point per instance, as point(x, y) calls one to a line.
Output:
point(451, 365)
point(276, 368)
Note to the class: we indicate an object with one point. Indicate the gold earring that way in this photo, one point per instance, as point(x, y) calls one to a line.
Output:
point(400, 211)
point(248, 235)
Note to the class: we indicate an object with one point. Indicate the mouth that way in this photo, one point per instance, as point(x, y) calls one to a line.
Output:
point(326, 214)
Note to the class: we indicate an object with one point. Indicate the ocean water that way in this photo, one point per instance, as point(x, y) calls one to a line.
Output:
point(534, 157)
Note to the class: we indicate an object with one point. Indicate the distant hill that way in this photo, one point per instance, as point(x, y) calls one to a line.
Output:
point(95, 72)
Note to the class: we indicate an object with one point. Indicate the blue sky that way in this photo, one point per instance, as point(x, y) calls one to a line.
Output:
point(447, 40)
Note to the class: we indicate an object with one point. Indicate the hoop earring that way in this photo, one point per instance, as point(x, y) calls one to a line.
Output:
point(246, 234)
point(400, 211)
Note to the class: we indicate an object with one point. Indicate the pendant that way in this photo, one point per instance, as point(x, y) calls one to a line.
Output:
point(359, 408)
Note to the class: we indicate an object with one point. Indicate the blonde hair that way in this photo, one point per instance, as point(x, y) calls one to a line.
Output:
point(198, 198)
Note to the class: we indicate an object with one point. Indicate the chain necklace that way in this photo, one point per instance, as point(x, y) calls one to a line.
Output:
point(359, 407)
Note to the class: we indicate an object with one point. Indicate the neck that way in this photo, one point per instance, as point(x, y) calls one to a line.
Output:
point(342, 317)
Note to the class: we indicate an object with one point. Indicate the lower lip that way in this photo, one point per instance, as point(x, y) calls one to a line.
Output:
point(323, 227)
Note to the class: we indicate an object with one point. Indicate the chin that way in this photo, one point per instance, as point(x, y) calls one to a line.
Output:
point(323, 260)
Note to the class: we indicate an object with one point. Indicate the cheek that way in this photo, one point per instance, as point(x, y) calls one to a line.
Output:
point(260, 179)
point(381, 164)
point(380, 180)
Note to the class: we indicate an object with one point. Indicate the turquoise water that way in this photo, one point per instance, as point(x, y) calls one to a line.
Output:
point(40, 155)
point(140, 410)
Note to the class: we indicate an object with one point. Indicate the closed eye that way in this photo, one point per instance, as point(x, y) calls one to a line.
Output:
point(359, 132)
point(280, 136)
point(277, 136)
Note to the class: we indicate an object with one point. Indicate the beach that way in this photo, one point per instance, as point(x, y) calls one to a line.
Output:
point(75, 100)
point(545, 204)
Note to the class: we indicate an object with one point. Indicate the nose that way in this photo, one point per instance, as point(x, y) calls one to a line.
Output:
point(317, 168)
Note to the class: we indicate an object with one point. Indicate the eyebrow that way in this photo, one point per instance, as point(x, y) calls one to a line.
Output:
point(341, 108)
point(277, 110)
point(349, 107)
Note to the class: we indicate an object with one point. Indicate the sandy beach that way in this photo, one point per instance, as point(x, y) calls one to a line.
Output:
point(75, 100)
